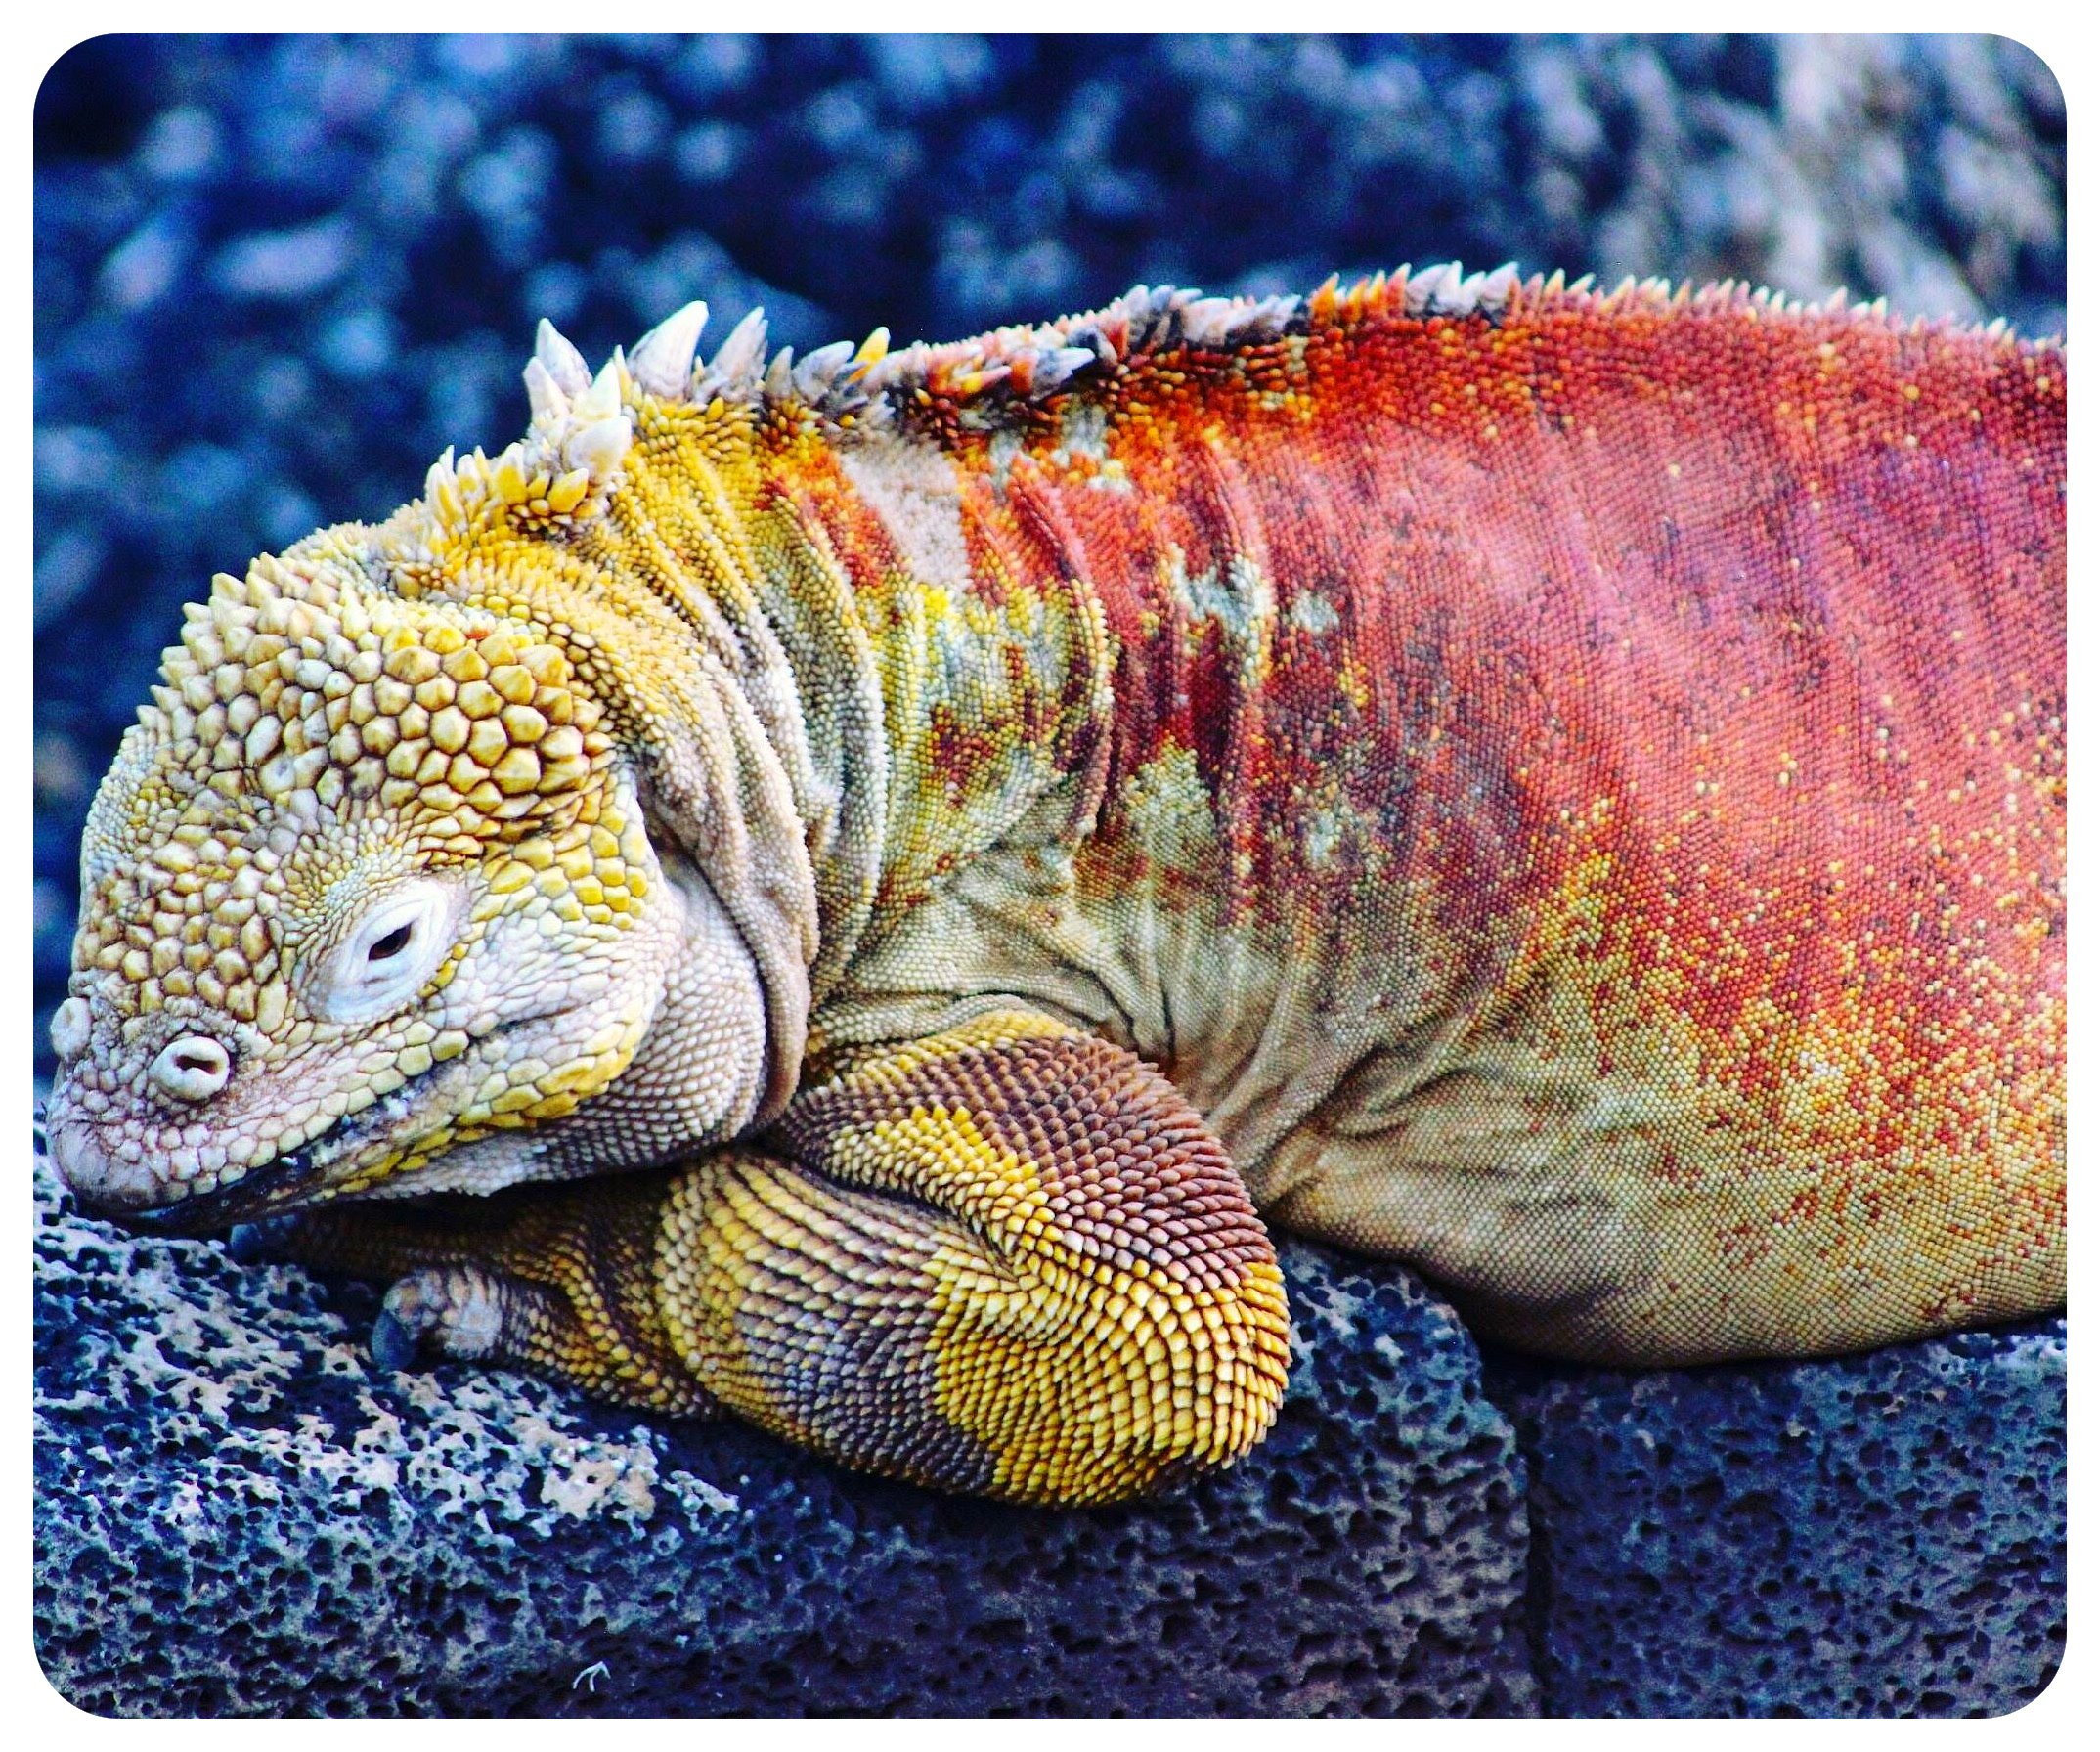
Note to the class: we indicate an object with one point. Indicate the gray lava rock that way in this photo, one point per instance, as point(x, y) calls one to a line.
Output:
point(1876, 1535)
point(236, 1515)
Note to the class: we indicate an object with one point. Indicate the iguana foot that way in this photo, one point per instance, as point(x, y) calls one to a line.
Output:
point(554, 1282)
point(457, 1311)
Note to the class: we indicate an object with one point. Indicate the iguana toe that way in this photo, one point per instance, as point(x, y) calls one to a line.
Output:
point(454, 1310)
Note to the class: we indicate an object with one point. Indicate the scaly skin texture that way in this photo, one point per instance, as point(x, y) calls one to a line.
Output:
point(1568, 789)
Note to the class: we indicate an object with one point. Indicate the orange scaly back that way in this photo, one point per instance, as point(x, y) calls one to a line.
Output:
point(1583, 805)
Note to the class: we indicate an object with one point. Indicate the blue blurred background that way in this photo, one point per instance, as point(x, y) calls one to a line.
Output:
point(274, 277)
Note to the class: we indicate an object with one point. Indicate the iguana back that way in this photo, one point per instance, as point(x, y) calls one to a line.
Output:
point(1584, 811)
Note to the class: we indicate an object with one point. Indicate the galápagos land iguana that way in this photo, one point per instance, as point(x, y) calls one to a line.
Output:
point(840, 888)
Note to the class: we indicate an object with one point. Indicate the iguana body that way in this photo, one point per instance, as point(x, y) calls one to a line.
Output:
point(1568, 788)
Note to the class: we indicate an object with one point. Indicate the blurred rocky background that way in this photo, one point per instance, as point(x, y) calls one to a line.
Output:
point(274, 277)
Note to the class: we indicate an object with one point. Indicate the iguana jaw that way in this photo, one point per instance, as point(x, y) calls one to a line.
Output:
point(389, 1144)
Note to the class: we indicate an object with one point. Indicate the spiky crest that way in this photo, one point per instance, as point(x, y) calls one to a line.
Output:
point(862, 391)
point(568, 463)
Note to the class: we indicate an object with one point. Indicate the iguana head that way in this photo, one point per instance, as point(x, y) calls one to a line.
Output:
point(410, 879)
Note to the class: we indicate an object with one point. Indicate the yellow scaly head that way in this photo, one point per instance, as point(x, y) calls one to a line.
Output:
point(369, 900)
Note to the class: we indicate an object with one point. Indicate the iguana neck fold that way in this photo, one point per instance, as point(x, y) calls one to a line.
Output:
point(843, 670)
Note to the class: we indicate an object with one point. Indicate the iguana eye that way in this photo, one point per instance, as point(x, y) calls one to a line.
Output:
point(386, 958)
point(392, 943)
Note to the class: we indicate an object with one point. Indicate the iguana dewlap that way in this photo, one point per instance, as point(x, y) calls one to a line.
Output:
point(1568, 788)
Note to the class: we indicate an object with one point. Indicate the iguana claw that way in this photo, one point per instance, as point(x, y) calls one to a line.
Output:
point(393, 1345)
point(257, 1243)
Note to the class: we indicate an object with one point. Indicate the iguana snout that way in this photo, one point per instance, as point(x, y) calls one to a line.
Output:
point(193, 1067)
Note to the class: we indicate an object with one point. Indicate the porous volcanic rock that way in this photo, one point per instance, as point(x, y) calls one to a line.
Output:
point(238, 1514)
point(1875, 1535)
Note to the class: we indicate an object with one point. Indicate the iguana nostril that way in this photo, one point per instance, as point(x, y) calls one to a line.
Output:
point(70, 1027)
point(194, 1068)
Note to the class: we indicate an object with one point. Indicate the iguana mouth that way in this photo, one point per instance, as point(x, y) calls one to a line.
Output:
point(284, 1179)
point(254, 1193)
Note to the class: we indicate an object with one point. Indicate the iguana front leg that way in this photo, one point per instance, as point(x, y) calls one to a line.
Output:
point(557, 1280)
point(1008, 1259)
